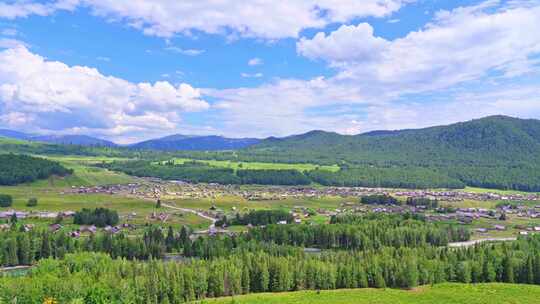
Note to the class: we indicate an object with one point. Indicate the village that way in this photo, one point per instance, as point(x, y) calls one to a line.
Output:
point(153, 188)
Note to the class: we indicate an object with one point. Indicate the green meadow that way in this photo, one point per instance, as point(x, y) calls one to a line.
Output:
point(260, 166)
point(439, 294)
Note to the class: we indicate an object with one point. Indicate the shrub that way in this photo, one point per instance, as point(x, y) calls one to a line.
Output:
point(6, 200)
point(100, 217)
point(32, 202)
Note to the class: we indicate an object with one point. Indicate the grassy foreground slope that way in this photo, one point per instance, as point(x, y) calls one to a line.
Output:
point(495, 293)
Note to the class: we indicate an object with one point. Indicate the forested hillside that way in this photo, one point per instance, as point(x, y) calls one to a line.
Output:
point(497, 139)
point(17, 169)
point(493, 152)
point(201, 143)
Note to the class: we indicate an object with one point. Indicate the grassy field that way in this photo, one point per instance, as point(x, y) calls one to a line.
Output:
point(440, 294)
point(53, 194)
point(53, 200)
point(259, 166)
point(228, 202)
point(502, 192)
point(85, 174)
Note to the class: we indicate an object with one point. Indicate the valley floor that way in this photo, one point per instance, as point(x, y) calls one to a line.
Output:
point(450, 293)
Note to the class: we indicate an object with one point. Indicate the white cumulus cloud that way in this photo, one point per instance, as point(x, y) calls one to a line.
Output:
point(56, 96)
point(265, 19)
point(477, 45)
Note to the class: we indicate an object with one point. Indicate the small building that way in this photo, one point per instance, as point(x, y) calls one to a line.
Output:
point(54, 227)
point(92, 229)
point(499, 227)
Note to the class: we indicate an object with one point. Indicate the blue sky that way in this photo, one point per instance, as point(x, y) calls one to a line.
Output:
point(128, 70)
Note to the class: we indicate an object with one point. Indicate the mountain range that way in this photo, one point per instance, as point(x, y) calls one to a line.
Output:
point(190, 142)
point(168, 143)
point(82, 140)
point(501, 137)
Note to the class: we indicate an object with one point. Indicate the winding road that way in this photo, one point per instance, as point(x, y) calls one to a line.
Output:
point(211, 219)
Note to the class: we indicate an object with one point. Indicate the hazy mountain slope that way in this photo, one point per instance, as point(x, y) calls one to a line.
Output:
point(14, 134)
point(81, 140)
point(203, 143)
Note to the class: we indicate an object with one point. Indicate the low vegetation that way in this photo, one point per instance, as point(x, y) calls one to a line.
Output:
point(6, 200)
point(446, 293)
point(99, 217)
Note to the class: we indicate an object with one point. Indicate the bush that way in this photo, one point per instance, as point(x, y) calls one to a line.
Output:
point(6, 200)
point(32, 202)
point(99, 217)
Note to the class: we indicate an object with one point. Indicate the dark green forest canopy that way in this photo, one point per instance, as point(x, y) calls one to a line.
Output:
point(252, 269)
point(17, 169)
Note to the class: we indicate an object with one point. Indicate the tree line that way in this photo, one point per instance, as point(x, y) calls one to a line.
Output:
point(17, 169)
point(96, 278)
point(99, 217)
point(200, 172)
point(257, 218)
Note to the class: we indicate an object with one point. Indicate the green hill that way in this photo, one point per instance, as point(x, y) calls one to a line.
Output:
point(493, 152)
point(496, 138)
point(18, 169)
point(441, 294)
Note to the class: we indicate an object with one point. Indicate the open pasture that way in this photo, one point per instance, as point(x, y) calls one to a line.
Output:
point(259, 165)
point(440, 294)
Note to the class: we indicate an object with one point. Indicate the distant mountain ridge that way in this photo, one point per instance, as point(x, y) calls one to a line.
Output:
point(190, 142)
point(82, 140)
point(499, 137)
point(167, 143)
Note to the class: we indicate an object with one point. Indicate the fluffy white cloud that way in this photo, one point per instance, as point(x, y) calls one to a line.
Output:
point(188, 52)
point(375, 77)
point(53, 95)
point(22, 8)
point(460, 45)
point(265, 19)
point(347, 44)
point(255, 61)
point(6, 43)
point(279, 108)
point(248, 75)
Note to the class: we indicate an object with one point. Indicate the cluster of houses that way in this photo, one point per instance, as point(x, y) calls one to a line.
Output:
point(107, 189)
point(35, 214)
point(91, 229)
point(463, 195)
point(177, 189)
point(152, 188)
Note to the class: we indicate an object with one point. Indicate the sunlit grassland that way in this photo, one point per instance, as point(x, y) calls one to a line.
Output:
point(260, 166)
point(495, 293)
point(227, 203)
point(501, 192)
point(85, 173)
point(53, 200)
point(470, 204)
point(53, 194)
